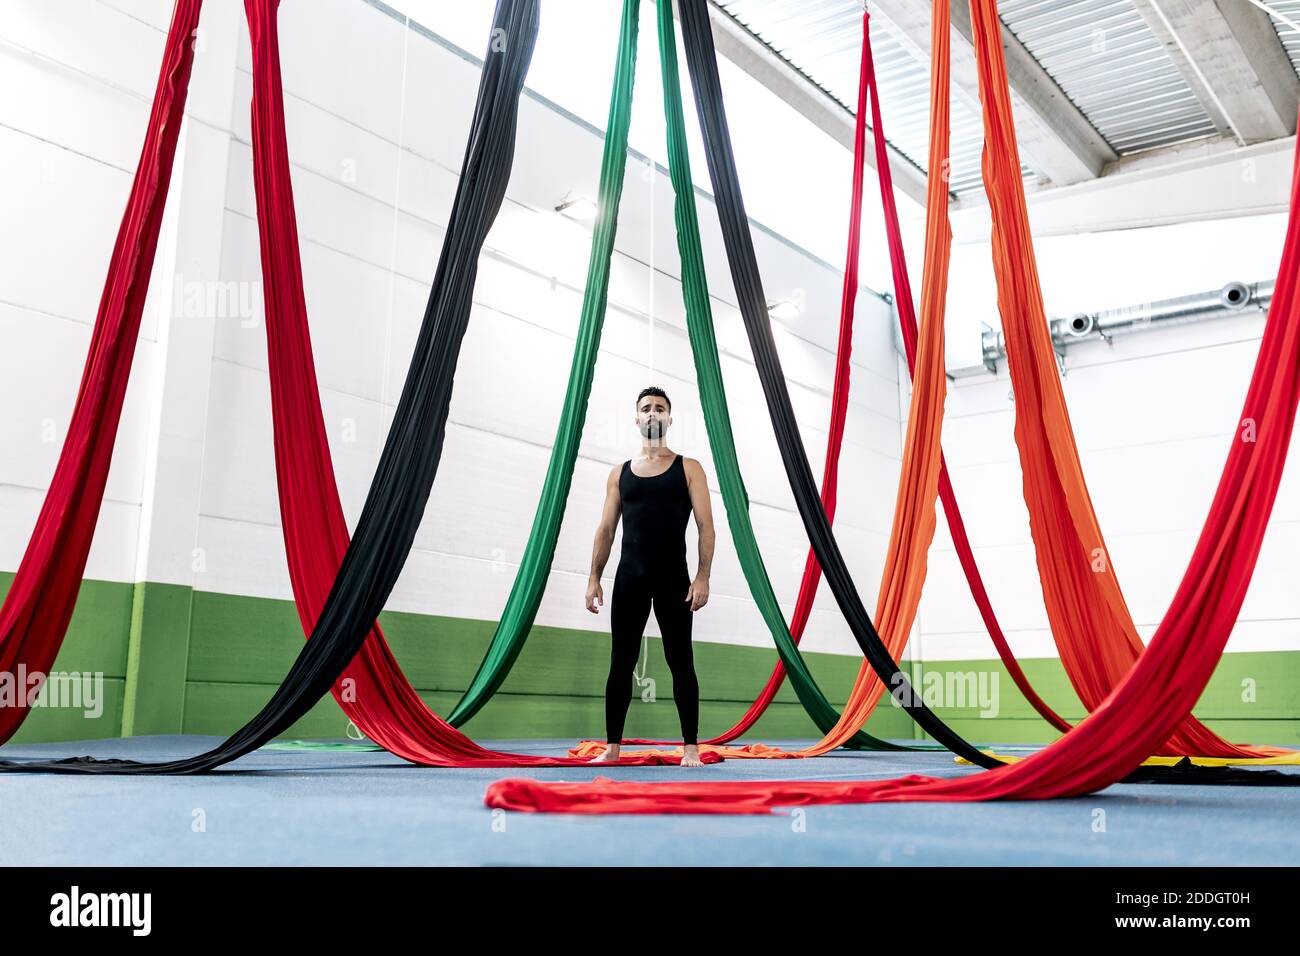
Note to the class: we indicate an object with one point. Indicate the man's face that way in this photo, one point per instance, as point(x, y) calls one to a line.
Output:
point(652, 418)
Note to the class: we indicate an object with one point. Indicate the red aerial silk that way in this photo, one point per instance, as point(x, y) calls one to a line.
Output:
point(1089, 618)
point(1157, 694)
point(36, 611)
point(812, 570)
point(372, 691)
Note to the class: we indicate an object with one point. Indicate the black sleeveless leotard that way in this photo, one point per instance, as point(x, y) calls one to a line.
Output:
point(652, 570)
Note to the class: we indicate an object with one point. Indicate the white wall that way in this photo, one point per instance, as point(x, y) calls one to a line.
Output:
point(377, 117)
point(1154, 415)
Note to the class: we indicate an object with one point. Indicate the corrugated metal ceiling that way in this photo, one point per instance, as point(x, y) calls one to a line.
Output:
point(821, 38)
point(1108, 62)
point(1290, 39)
point(1101, 53)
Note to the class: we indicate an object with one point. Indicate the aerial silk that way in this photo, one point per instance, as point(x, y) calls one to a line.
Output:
point(812, 571)
point(1207, 756)
point(372, 690)
point(38, 607)
point(404, 477)
point(717, 417)
point(535, 567)
point(839, 406)
point(530, 582)
point(1157, 694)
point(1089, 618)
point(908, 326)
point(41, 598)
point(914, 518)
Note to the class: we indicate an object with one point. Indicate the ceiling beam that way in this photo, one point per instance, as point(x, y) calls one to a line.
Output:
point(743, 48)
point(1188, 182)
point(1234, 62)
point(1056, 139)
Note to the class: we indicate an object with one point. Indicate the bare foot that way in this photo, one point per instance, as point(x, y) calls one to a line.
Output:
point(609, 755)
point(691, 756)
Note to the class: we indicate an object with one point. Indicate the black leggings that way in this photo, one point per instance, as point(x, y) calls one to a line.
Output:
point(629, 610)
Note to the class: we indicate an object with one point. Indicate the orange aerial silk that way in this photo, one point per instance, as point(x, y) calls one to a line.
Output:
point(1090, 620)
point(918, 481)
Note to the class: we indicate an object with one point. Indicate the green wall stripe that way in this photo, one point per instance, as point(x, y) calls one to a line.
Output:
point(157, 659)
point(254, 640)
point(96, 639)
point(95, 643)
point(174, 660)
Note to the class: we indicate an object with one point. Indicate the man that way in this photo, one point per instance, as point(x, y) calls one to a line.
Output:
point(655, 495)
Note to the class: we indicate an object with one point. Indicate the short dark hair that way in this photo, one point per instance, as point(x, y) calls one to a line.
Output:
point(654, 390)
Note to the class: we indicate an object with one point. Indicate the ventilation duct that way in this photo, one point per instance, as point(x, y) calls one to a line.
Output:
point(1233, 298)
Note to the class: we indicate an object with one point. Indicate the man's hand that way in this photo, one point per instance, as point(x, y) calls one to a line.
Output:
point(595, 593)
point(698, 594)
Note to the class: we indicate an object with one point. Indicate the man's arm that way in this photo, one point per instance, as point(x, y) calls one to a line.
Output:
point(604, 539)
point(698, 486)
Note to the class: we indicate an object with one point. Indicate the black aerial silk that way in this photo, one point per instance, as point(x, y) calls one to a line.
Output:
point(404, 477)
point(701, 61)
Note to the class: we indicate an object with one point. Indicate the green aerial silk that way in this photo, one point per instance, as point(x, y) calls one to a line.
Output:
point(713, 398)
point(530, 582)
point(535, 568)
